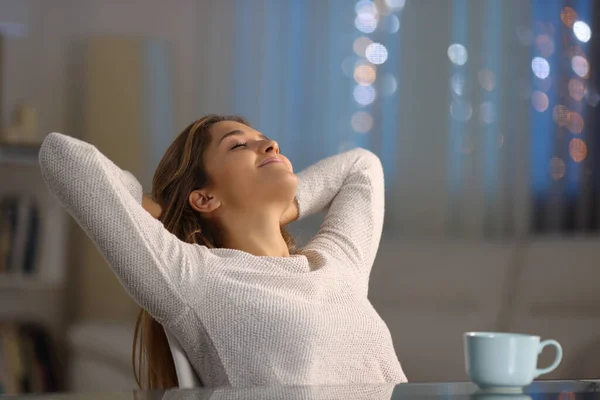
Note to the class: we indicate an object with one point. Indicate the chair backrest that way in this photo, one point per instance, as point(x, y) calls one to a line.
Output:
point(186, 376)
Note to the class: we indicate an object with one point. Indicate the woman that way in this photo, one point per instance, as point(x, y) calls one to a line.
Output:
point(208, 258)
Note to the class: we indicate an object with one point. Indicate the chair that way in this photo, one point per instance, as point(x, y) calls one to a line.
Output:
point(186, 376)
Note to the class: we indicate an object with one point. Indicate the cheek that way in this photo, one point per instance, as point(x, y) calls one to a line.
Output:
point(288, 163)
point(233, 176)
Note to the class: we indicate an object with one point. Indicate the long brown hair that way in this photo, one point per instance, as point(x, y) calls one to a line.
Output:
point(180, 171)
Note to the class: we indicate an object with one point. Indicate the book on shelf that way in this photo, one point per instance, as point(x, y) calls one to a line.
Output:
point(19, 231)
point(27, 360)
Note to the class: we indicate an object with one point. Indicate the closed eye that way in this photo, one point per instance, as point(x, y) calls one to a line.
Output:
point(238, 145)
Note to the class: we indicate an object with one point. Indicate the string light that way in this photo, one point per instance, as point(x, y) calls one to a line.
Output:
point(392, 23)
point(376, 53)
point(388, 85)
point(461, 110)
point(364, 95)
point(395, 4)
point(577, 150)
point(366, 23)
point(580, 66)
point(576, 89)
point(582, 31)
point(457, 83)
point(540, 67)
point(574, 122)
point(540, 101)
point(568, 16)
point(365, 75)
point(362, 122)
point(486, 79)
point(364, 67)
point(360, 45)
point(487, 112)
point(457, 53)
point(366, 7)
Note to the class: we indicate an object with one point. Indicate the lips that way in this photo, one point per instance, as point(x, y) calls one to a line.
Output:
point(269, 161)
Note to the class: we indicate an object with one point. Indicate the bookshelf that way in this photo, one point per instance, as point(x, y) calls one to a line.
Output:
point(36, 295)
point(26, 155)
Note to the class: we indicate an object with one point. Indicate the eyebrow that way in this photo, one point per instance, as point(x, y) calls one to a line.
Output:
point(239, 132)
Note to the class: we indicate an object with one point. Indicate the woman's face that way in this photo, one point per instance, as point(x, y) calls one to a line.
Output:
point(246, 168)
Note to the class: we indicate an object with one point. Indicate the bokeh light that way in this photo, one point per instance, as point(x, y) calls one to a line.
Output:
point(461, 110)
point(457, 83)
point(560, 114)
point(364, 95)
point(366, 23)
point(360, 45)
point(540, 67)
point(574, 122)
point(576, 89)
point(388, 85)
point(362, 122)
point(487, 112)
point(376, 53)
point(577, 150)
point(486, 79)
point(582, 31)
point(568, 16)
point(544, 45)
point(365, 7)
point(539, 101)
point(592, 97)
point(557, 168)
point(365, 75)
point(395, 4)
point(392, 23)
point(457, 53)
point(580, 66)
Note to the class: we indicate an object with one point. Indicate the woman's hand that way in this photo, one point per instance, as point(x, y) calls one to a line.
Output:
point(291, 214)
point(151, 206)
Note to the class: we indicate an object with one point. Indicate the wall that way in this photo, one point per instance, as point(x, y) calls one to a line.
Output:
point(44, 63)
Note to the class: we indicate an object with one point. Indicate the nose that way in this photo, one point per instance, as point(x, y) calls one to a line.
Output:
point(270, 146)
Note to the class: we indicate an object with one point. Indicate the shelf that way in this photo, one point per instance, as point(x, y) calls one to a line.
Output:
point(26, 155)
point(43, 306)
point(22, 283)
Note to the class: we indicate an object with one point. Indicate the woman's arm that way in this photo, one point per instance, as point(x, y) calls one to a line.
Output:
point(351, 186)
point(107, 202)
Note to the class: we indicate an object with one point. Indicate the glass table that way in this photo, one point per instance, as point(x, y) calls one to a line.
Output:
point(539, 390)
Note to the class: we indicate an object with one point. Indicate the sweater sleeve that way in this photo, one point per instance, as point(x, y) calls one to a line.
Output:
point(351, 186)
point(150, 262)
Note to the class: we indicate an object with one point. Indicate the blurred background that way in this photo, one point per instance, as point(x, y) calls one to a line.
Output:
point(484, 113)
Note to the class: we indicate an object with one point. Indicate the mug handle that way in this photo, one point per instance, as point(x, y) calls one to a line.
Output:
point(557, 360)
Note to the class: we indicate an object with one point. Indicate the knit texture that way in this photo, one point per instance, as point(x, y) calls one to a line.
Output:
point(381, 391)
point(242, 319)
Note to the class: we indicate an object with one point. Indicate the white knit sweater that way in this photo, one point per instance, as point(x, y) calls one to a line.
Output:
point(243, 319)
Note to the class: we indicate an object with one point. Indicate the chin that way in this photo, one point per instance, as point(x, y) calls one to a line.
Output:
point(282, 187)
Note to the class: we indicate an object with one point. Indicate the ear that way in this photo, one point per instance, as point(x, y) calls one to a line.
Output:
point(204, 202)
